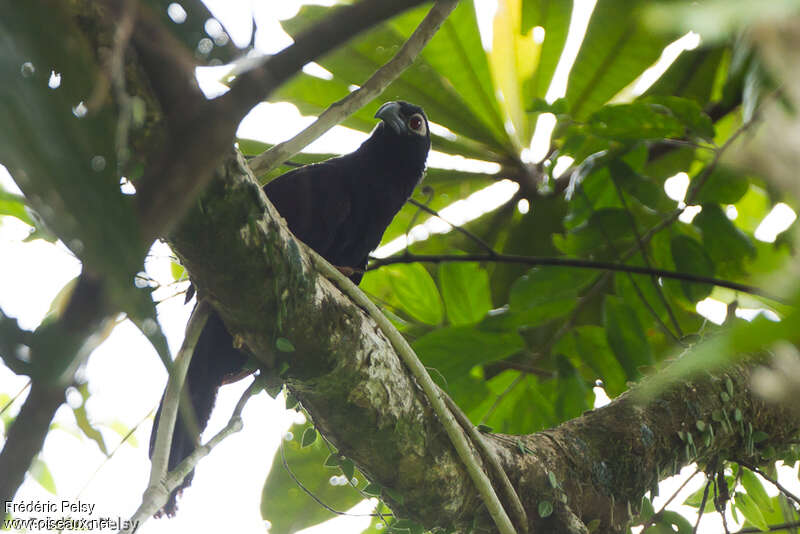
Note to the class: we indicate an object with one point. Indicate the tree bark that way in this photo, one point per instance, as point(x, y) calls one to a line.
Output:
point(590, 470)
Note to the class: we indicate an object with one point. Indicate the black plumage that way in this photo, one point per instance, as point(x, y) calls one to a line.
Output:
point(340, 208)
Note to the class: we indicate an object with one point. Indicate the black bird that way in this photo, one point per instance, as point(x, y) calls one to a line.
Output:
point(340, 208)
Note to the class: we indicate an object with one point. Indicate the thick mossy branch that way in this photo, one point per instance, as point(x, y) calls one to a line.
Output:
point(343, 369)
point(605, 460)
point(347, 375)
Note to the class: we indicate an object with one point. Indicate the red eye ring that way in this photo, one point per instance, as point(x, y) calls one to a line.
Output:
point(415, 122)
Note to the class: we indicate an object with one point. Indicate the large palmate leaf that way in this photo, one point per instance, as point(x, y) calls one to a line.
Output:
point(422, 84)
point(553, 17)
point(692, 75)
point(615, 51)
point(513, 59)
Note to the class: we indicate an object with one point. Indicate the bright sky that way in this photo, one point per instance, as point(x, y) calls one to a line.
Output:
point(124, 373)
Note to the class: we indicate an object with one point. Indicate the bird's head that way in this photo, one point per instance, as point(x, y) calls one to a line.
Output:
point(406, 121)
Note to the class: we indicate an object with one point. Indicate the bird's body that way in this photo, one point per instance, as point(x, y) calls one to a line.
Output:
point(340, 208)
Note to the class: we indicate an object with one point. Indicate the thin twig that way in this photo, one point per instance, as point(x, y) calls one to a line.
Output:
point(491, 458)
point(26, 436)
point(656, 515)
point(702, 506)
point(313, 496)
point(771, 528)
point(646, 259)
point(169, 405)
point(15, 397)
point(377, 263)
point(699, 181)
point(374, 86)
point(111, 455)
point(719, 506)
point(769, 479)
point(156, 496)
point(432, 392)
point(502, 396)
point(615, 252)
point(483, 244)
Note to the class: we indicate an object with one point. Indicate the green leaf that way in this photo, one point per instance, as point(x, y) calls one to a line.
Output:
point(14, 205)
point(41, 474)
point(457, 55)
point(625, 336)
point(689, 112)
point(348, 468)
point(635, 121)
point(591, 347)
point(573, 397)
point(608, 224)
point(554, 16)
point(723, 186)
point(692, 75)
point(416, 292)
point(646, 510)
point(447, 186)
point(372, 489)
point(750, 510)
point(309, 436)
point(505, 320)
point(291, 400)
point(82, 419)
point(465, 290)
point(690, 257)
point(617, 48)
point(540, 105)
point(455, 350)
point(645, 190)
point(528, 408)
point(695, 499)
point(287, 507)
point(722, 240)
point(422, 84)
point(545, 508)
point(284, 345)
point(670, 522)
point(755, 490)
point(752, 207)
point(547, 284)
point(512, 58)
point(127, 434)
point(177, 271)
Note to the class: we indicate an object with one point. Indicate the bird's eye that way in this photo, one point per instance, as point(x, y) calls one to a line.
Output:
point(415, 122)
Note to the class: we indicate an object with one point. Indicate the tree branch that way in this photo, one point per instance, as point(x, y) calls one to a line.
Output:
point(348, 375)
point(372, 88)
point(377, 263)
point(26, 436)
point(174, 177)
point(172, 395)
point(434, 394)
point(156, 495)
point(53, 351)
point(340, 26)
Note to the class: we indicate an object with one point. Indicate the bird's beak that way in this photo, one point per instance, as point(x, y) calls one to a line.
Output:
point(390, 114)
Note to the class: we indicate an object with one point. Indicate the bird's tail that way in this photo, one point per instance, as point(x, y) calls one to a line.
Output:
point(214, 360)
